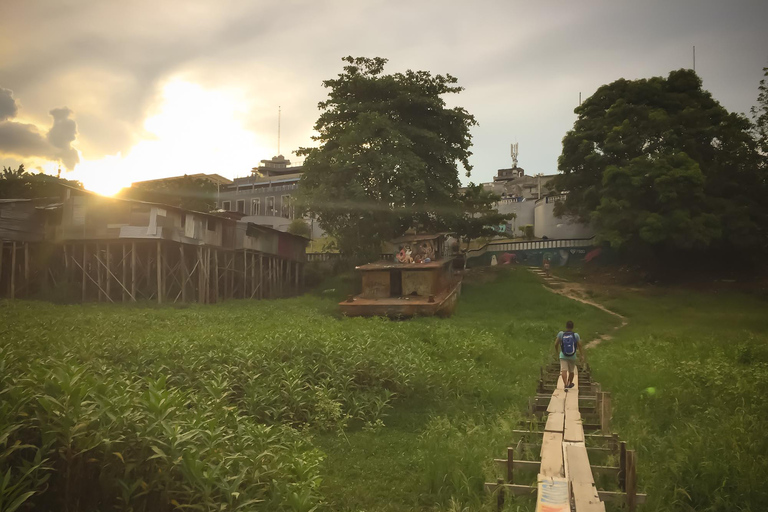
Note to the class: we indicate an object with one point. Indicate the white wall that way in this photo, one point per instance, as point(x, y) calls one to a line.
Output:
point(546, 224)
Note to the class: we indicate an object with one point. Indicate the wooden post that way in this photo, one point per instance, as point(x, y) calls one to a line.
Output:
point(631, 481)
point(510, 465)
point(99, 277)
point(125, 271)
point(208, 276)
point(296, 277)
point(623, 466)
point(159, 272)
point(184, 274)
point(500, 495)
point(261, 276)
point(245, 274)
point(13, 271)
point(253, 275)
point(133, 270)
point(109, 270)
point(232, 276)
point(2, 249)
point(85, 269)
point(200, 278)
point(26, 269)
point(605, 412)
point(216, 275)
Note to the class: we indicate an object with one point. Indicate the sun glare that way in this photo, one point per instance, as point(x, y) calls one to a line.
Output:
point(193, 130)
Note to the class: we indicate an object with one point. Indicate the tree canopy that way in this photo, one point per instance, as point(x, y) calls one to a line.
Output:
point(21, 184)
point(658, 163)
point(388, 155)
point(760, 116)
point(185, 192)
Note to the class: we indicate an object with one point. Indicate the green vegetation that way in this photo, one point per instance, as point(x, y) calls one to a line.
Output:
point(283, 405)
point(660, 167)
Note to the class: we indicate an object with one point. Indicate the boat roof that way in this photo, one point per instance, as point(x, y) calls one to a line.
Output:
point(391, 265)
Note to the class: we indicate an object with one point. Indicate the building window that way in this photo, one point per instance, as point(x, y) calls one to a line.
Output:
point(256, 207)
point(226, 205)
point(241, 205)
point(270, 206)
point(285, 207)
point(211, 225)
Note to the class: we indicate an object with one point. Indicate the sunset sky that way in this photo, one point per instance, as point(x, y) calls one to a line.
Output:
point(116, 92)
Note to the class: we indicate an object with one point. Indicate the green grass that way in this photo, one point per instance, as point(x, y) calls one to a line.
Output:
point(285, 405)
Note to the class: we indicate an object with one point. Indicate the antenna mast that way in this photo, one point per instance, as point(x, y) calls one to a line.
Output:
point(694, 58)
point(279, 111)
point(514, 155)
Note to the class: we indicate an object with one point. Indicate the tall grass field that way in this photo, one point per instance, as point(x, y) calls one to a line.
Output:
point(286, 406)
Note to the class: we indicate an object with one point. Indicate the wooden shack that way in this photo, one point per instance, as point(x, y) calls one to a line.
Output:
point(126, 250)
point(419, 280)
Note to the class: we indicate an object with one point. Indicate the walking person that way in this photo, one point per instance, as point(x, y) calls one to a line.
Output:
point(566, 343)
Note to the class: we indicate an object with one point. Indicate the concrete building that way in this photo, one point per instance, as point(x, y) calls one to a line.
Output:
point(266, 196)
point(213, 178)
point(532, 200)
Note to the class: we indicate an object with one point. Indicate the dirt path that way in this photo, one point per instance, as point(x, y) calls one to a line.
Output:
point(577, 292)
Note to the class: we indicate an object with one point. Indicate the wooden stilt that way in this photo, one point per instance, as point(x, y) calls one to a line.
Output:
point(133, 270)
point(216, 275)
point(200, 276)
point(99, 273)
point(159, 267)
point(2, 250)
point(631, 481)
point(261, 276)
point(26, 269)
point(510, 465)
point(245, 274)
point(13, 271)
point(124, 270)
point(184, 274)
point(108, 269)
point(296, 277)
point(85, 268)
point(605, 412)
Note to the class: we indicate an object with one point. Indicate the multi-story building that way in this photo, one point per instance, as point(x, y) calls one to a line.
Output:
point(266, 196)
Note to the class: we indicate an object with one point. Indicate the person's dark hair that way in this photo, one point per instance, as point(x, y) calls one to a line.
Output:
point(569, 325)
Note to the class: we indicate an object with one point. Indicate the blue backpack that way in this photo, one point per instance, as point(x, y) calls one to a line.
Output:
point(568, 343)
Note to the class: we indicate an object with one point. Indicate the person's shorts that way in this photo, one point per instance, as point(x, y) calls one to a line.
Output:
point(567, 365)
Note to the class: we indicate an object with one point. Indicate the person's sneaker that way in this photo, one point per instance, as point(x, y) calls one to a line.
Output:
point(570, 385)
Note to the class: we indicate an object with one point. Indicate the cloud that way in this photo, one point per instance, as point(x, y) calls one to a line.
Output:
point(8, 107)
point(26, 140)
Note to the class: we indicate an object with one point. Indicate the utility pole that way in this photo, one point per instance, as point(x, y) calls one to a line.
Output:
point(279, 112)
point(694, 58)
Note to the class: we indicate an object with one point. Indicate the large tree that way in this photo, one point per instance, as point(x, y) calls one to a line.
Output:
point(760, 116)
point(388, 155)
point(659, 164)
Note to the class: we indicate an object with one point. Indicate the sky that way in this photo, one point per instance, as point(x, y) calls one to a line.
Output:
point(116, 92)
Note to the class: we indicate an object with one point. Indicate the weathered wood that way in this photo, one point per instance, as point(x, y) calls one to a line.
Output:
point(552, 494)
point(261, 276)
point(510, 465)
point(573, 432)
point(26, 270)
point(557, 401)
point(13, 271)
point(124, 270)
point(108, 258)
point(572, 400)
point(159, 272)
point(555, 422)
point(200, 277)
point(605, 413)
point(501, 492)
point(578, 463)
point(133, 271)
point(585, 497)
point(216, 275)
point(631, 484)
point(2, 250)
point(515, 489)
point(620, 497)
point(552, 455)
point(83, 268)
point(623, 466)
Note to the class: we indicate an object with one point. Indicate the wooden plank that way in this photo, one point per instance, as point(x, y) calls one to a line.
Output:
point(585, 498)
point(552, 495)
point(555, 422)
point(557, 402)
point(578, 464)
point(572, 400)
point(574, 433)
point(552, 455)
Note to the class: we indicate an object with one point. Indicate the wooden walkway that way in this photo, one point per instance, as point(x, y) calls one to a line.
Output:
point(566, 479)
